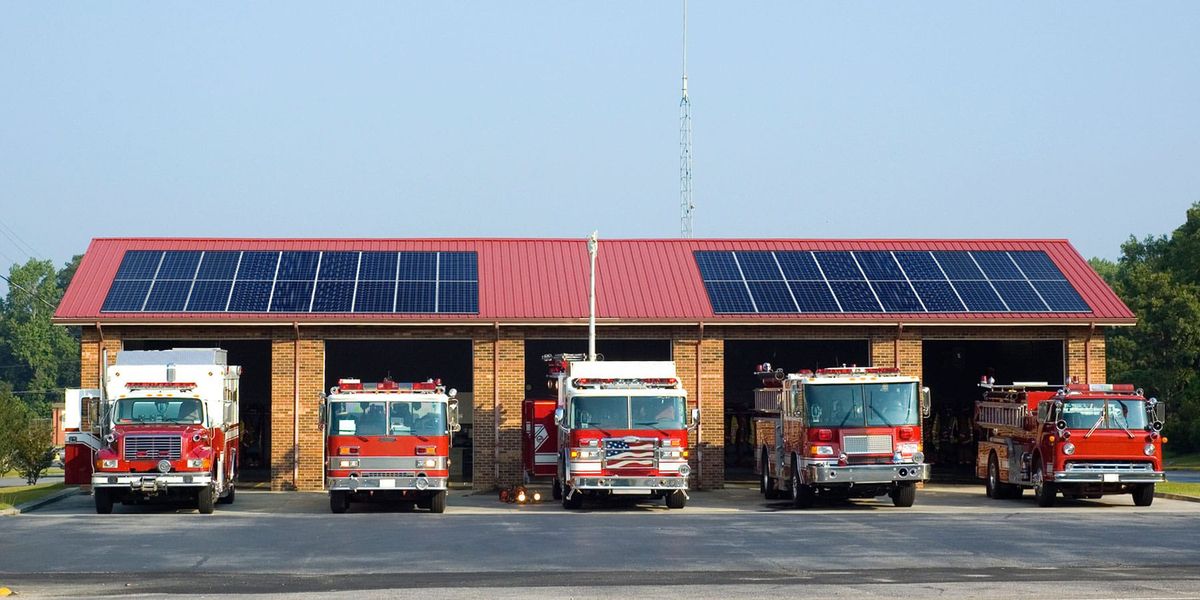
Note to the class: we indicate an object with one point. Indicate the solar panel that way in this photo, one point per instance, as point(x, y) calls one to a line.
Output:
point(295, 281)
point(908, 281)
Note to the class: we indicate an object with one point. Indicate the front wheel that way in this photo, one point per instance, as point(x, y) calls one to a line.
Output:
point(104, 501)
point(1044, 491)
point(676, 499)
point(904, 495)
point(803, 496)
point(1143, 495)
point(339, 501)
point(204, 500)
point(991, 485)
point(437, 502)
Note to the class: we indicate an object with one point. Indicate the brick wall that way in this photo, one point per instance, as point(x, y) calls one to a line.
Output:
point(507, 376)
point(285, 456)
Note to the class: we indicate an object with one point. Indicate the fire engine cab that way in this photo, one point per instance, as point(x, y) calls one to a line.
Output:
point(165, 425)
point(1084, 440)
point(388, 441)
point(622, 429)
point(847, 432)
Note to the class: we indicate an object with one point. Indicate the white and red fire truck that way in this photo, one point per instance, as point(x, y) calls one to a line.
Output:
point(1084, 440)
point(622, 429)
point(847, 432)
point(165, 425)
point(388, 441)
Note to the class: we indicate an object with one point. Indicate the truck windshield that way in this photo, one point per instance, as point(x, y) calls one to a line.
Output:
point(398, 417)
point(159, 410)
point(859, 405)
point(627, 412)
point(1110, 413)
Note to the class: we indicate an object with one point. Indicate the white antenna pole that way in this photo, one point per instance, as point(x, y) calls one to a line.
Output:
point(593, 246)
point(686, 205)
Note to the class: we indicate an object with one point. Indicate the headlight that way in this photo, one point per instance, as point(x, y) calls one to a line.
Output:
point(1149, 449)
point(426, 463)
point(348, 464)
point(1068, 448)
point(586, 454)
point(822, 450)
point(907, 447)
point(672, 454)
point(196, 463)
point(109, 463)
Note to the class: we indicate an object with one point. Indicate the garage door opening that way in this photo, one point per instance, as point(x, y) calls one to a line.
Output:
point(413, 360)
point(254, 394)
point(535, 367)
point(952, 371)
point(741, 358)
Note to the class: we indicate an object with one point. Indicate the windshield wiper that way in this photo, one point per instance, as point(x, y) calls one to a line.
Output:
point(1093, 429)
point(1123, 426)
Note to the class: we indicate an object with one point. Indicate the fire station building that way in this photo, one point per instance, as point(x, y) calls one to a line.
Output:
point(479, 314)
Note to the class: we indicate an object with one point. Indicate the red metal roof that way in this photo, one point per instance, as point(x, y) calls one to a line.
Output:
point(545, 281)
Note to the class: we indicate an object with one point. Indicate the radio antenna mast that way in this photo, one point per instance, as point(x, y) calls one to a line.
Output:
point(686, 206)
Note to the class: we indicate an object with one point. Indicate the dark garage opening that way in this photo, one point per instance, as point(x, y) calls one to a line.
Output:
point(952, 371)
point(535, 367)
point(412, 360)
point(254, 394)
point(741, 358)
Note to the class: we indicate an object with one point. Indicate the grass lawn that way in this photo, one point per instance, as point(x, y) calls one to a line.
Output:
point(1183, 489)
point(12, 496)
point(1191, 461)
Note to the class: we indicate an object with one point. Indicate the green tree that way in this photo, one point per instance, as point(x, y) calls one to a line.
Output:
point(12, 412)
point(38, 355)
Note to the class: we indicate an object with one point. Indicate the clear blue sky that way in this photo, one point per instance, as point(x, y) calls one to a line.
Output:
point(430, 119)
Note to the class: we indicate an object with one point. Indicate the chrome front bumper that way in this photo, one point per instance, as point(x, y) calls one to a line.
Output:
point(371, 484)
point(1106, 476)
point(826, 474)
point(151, 483)
point(629, 485)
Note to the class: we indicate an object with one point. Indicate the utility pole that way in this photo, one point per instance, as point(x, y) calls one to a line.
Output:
point(686, 206)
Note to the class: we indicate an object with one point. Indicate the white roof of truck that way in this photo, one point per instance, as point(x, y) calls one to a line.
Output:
point(623, 369)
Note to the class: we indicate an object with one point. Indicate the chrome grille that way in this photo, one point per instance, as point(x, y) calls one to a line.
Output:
point(385, 474)
point(153, 447)
point(867, 444)
point(1127, 467)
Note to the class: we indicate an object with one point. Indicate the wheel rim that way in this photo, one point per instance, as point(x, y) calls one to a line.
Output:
point(795, 484)
point(1038, 486)
point(993, 476)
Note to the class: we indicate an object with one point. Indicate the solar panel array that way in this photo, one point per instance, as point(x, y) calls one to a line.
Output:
point(295, 281)
point(882, 281)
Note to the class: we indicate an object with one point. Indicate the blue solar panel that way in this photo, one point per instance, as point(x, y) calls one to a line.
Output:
point(415, 296)
point(459, 266)
point(814, 297)
point(333, 297)
point(418, 266)
point(958, 265)
point(938, 296)
point(375, 296)
point(1060, 296)
point(209, 296)
point(1036, 265)
point(759, 266)
point(250, 296)
point(168, 295)
point(920, 266)
point(258, 266)
point(729, 297)
point(458, 297)
point(717, 266)
point(879, 266)
point(292, 296)
point(378, 266)
point(855, 296)
point(772, 297)
point(179, 265)
point(126, 296)
point(139, 264)
point(338, 266)
point(838, 266)
point(1020, 296)
point(997, 265)
point(897, 296)
point(298, 266)
point(218, 265)
point(799, 266)
point(979, 296)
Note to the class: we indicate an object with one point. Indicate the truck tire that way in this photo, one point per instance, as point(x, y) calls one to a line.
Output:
point(556, 491)
point(1044, 491)
point(676, 500)
point(572, 501)
point(339, 501)
point(104, 501)
point(229, 496)
point(769, 486)
point(803, 496)
point(1143, 495)
point(904, 495)
point(991, 484)
point(205, 500)
point(437, 502)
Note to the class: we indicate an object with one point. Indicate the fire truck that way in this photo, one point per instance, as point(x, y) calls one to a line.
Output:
point(1084, 440)
point(388, 441)
point(622, 430)
point(164, 425)
point(845, 432)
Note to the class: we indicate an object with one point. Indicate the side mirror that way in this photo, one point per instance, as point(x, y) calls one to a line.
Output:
point(926, 402)
point(322, 412)
point(1158, 411)
point(452, 412)
point(558, 416)
point(695, 419)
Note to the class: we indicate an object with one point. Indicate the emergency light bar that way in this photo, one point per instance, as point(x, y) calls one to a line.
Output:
point(176, 385)
point(385, 386)
point(859, 371)
point(665, 382)
point(1118, 388)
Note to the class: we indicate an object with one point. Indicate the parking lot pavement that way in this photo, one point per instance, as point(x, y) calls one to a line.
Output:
point(934, 499)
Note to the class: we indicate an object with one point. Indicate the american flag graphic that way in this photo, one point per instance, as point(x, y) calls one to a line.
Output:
point(620, 453)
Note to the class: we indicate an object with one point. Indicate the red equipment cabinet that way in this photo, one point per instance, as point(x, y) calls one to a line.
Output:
point(539, 439)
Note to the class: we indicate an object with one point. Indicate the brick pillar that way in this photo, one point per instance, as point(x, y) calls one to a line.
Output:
point(708, 461)
point(1086, 360)
point(312, 381)
point(506, 357)
point(886, 348)
point(89, 356)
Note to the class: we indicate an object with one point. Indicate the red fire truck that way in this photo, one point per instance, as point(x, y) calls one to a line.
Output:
point(164, 426)
point(847, 432)
point(388, 441)
point(1084, 440)
point(622, 430)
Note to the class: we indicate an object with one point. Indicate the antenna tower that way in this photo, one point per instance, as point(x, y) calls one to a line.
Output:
point(685, 146)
